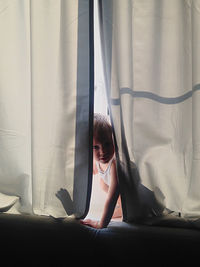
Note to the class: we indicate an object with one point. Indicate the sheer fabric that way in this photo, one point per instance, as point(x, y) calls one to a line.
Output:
point(152, 69)
point(45, 105)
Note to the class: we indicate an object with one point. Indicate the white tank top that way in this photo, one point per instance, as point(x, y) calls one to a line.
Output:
point(105, 175)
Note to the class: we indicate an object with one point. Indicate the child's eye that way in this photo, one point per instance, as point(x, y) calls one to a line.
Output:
point(95, 147)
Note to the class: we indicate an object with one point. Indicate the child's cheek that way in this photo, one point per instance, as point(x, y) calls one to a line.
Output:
point(96, 156)
point(112, 151)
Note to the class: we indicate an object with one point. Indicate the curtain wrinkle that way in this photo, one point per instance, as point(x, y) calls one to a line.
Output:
point(152, 62)
point(84, 111)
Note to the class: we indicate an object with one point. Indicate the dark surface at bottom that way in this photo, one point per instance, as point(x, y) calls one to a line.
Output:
point(45, 241)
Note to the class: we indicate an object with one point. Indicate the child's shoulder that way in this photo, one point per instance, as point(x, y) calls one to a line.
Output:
point(113, 163)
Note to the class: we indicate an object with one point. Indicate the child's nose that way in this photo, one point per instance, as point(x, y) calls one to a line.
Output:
point(104, 149)
point(101, 150)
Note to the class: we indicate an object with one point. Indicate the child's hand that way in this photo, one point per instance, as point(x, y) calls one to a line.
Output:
point(89, 222)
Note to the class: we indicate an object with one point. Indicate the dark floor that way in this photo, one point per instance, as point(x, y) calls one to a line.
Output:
point(45, 241)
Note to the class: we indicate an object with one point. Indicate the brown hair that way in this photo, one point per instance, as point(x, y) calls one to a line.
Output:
point(101, 125)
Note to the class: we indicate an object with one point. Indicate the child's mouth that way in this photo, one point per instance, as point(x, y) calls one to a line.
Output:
point(104, 159)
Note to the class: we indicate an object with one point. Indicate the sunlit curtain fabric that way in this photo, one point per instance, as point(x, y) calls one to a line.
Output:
point(152, 69)
point(45, 105)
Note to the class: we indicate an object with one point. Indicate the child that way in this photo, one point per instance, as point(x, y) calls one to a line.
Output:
point(104, 164)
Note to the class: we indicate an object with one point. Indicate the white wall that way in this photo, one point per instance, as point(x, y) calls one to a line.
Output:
point(100, 102)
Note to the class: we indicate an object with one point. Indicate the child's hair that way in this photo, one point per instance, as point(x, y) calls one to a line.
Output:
point(101, 125)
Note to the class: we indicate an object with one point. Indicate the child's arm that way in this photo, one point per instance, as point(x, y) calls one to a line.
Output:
point(112, 196)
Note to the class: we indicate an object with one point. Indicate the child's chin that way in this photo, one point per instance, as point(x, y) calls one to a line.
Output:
point(104, 161)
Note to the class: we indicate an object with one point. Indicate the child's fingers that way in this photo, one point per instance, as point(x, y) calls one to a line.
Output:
point(87, 221)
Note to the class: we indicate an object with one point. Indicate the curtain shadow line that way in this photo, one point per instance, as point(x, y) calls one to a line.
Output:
point(155, 97)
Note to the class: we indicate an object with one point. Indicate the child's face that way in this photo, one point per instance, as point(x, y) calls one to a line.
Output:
point(103, 148)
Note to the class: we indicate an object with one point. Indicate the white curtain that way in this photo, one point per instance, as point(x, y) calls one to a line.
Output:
point(45, 105)
point(152, 69)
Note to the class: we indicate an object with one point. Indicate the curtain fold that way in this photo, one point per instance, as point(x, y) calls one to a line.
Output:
point(45, 99)
point(151, 60)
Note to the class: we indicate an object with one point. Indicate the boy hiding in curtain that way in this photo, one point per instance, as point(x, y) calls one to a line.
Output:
point(104, 164)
